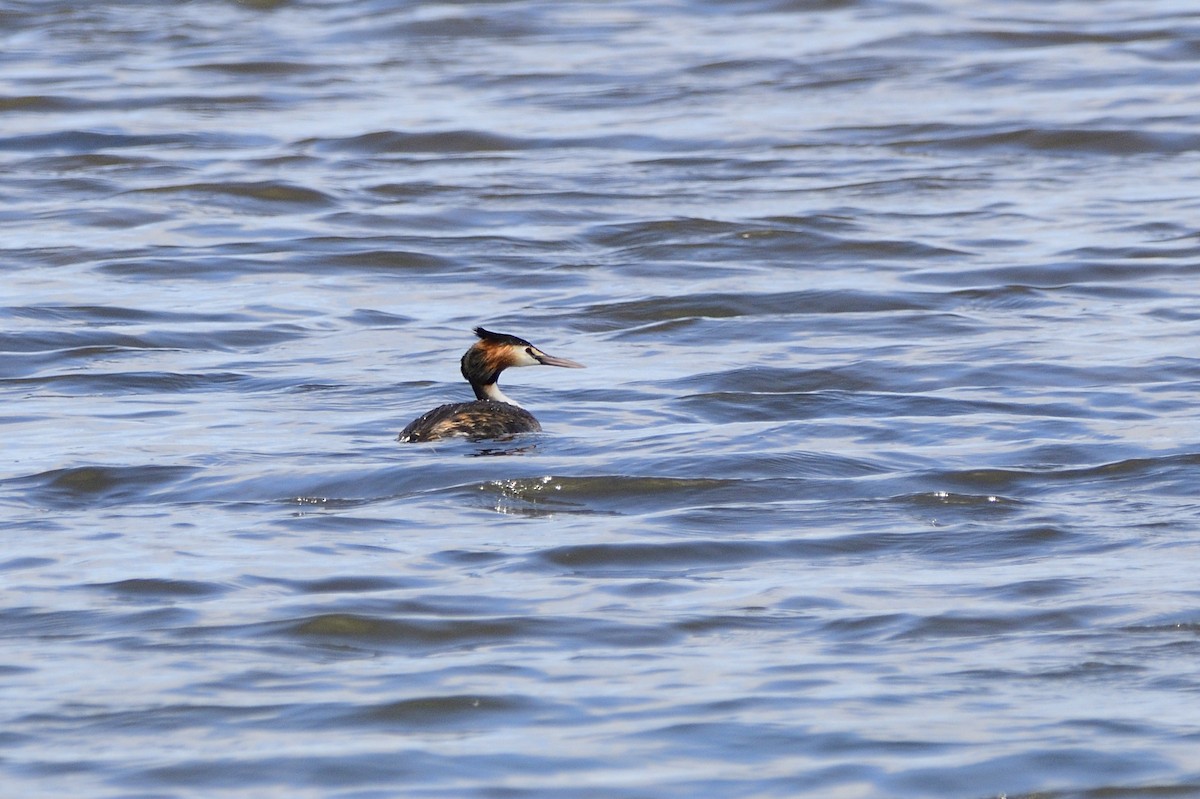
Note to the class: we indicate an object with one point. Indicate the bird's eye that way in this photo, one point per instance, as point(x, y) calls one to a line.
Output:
point(529, 351)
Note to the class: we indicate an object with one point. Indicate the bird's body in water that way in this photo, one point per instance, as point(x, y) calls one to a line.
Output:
point(491, 414)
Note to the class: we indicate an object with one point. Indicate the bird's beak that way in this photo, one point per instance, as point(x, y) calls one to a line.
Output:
point(550, 360)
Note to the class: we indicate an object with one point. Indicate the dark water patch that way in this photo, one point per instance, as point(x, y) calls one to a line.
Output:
point(742, 305)
point(1093, 672)
point(272, 68)
point(750, 619)
point(83, 486)
point(677, 559)
point(1173, 626)
point(349, 584)
point(446, 605)
point(109, 163)
point(82, 104)
point(979, 537)
point(806, 240)
point(48, 769)
point(744, 382)
point(606, 494)
point(1176, 314)
point(722, 7)
point(148, 720)
point(183, 266)
point(28, 364)
point(452, 712)
point(93, 194)
point(38, 103)
point(359, 630)
point(814, 247)
point(1063, 388)
point(406, 262)
point(729, 407)
point(73, 340)
point(1098, 772)
point(1016, 39)
point(74, 343)
point(869, 628)
point(1168, 472)
point(171, 609)
point(1185, 50)
point(747, 521)
point(415, 476)
point(337, 519)
point(472, 141)
point(50, 256)
point(460, 557)
point(749, 743)
point(793, 465)
point(116, 218)
point(328, 772)
point(1010, 297)
point(23, 622)
point(389, 142)
point(467, 27)
point(937, 501)
point(437, 229)
point(964, 537)
point(222, 101)
point(1107, 279)
point(1107, 262)
point(19, 564)
point(307, 388)
point(987, 480)
point(1037, 590)
point(372, 633)
point(9, 738)
point(260, 195)
point(151, 589)
point(120, 383)
point(86, 141)
point(1059, 280)
point(643, 590)
point(1025, 621)
point(991, 138)
point(417, 191)
point(1075, 142)
point(450, 234)
point(372, 318)
point(738, 67)
point(379, 771)
point(638, 143)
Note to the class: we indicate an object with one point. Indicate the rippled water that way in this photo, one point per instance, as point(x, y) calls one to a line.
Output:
point(882, 479)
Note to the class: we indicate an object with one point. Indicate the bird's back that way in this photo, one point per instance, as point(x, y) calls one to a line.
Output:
point(476, 420)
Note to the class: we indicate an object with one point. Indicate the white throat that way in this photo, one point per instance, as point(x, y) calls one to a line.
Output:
point(494, 393)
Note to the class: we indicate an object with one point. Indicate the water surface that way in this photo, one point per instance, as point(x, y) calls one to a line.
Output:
point(881, 480)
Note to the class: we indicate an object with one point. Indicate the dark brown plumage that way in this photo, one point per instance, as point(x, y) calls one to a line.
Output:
point(477, 420)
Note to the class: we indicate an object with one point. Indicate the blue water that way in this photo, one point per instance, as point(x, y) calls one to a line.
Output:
point(881, 480)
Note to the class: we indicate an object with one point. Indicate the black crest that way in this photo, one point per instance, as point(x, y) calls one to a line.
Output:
point(501, 338)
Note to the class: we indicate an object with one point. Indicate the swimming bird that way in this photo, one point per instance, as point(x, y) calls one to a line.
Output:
point(491, 414)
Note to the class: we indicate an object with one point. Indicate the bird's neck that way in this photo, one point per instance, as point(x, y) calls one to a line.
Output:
point(491, 391)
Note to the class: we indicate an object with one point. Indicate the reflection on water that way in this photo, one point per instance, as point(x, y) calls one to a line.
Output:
point(888, 311)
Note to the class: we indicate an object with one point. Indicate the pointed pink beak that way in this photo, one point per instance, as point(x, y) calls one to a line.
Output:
point(551, 360)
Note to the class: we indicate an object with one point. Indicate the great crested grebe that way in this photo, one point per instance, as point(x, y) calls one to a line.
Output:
point(491, 414)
